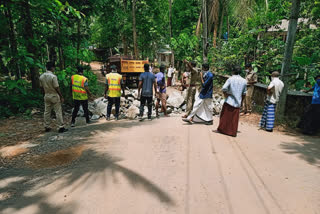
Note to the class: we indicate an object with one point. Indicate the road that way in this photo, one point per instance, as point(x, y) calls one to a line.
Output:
point(165, 167)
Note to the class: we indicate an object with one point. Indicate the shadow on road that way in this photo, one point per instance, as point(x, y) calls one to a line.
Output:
point(306, 147)
point(20, 186)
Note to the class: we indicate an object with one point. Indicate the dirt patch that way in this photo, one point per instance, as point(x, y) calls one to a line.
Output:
point(56, 159)
point(12, 151)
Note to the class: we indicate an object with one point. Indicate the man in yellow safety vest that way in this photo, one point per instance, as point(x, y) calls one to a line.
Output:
point(80, 92)
point(114, 83)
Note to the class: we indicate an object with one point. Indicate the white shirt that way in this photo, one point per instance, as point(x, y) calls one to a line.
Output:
point(170, 71)
point(236, 87)
point(276, 87)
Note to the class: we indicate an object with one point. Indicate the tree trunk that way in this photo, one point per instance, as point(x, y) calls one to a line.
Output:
point(286, 64)
point(134, 30)
point(170, 24)
point(60, 50)
point(13, 43)
point(221, 22)
point(124, 38)
point(28, 35)
point(205, 30)
point(78, 40)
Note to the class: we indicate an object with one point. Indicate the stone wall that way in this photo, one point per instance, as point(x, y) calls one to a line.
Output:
point(296, 101)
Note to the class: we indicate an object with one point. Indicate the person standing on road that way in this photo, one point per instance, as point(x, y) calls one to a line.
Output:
point(52, 97)
point(234, 90)
point(170, 74)
point(161, 96)
point(147, 82)
point(80, 92)
point(112, 92)
point(252, 78)
point(194, 86)
point(310, 122)
point(273, 94)
point(202, 108)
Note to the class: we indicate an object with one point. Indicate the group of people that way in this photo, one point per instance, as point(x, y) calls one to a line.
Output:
point(238, 94)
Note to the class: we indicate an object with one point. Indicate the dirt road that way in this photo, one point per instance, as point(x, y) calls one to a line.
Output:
point(164, 167)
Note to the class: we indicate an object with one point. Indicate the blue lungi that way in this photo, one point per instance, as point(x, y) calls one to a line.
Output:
point(268, 116)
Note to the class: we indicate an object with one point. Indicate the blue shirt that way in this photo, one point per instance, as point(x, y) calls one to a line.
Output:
point(316, 94)
point(161, 82)
point(236, 87)
point(147, 79)
point(207, 86)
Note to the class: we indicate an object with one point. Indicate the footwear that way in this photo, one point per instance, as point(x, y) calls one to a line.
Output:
point(140, 118)
point(242, 114)
point(88, 122)
point(61, 130)
point(187, 120)
point(247, 114)
point(72, 125)
point(269, 130)
point(149, 118)
point(117, 118)
point(209, 123)
point(47, 129)
point(108, 118)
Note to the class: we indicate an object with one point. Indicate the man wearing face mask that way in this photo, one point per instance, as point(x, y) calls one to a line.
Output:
point(252, 78)
point(273, 94)
point(310, 122)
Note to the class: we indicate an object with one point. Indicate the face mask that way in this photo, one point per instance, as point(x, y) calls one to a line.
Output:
point(318, 82)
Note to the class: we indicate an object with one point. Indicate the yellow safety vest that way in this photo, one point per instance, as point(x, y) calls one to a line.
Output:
point(78, 91)
point(114, 84)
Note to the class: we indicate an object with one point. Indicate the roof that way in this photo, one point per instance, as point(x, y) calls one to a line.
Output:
point(284, 25)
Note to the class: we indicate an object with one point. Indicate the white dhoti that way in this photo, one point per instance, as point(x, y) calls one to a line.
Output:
point(202, 111)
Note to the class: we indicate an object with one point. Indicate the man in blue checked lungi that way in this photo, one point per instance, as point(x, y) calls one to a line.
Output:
point(273, 94)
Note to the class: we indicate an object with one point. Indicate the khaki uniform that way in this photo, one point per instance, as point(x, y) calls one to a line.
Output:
point(194, 86)
point(52, 100)
point(247, 102)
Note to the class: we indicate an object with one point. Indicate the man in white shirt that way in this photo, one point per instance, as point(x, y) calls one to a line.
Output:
point(273, 94)
point(170, 74)
point(234, 90)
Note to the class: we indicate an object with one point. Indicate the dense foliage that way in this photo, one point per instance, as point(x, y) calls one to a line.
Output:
point(239, 31)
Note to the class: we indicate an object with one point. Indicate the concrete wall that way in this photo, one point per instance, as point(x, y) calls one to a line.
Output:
point(296, 101)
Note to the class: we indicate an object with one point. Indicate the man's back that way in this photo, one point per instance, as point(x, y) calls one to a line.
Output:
point(147, 79)
point(49, 82)
point(276, 86)
point(236, 87)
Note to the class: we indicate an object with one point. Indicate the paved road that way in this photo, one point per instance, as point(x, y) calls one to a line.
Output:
point(166, 167)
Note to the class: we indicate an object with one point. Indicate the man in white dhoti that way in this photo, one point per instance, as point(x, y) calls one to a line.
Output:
point(202, 108)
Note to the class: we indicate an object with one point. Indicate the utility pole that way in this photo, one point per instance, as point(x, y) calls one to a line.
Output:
point(205, 30)
point(286, 64)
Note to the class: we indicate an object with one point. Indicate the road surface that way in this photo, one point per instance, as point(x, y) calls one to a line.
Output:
point(164, 167)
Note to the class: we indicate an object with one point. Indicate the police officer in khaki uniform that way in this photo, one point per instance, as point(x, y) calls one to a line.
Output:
point(52, 97)
point(252, 78)
point(193, 87)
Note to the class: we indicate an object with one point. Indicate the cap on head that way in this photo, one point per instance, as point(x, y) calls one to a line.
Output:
point(275, 74)
point(50, 65)
point(113, 67)
point(146, 67)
